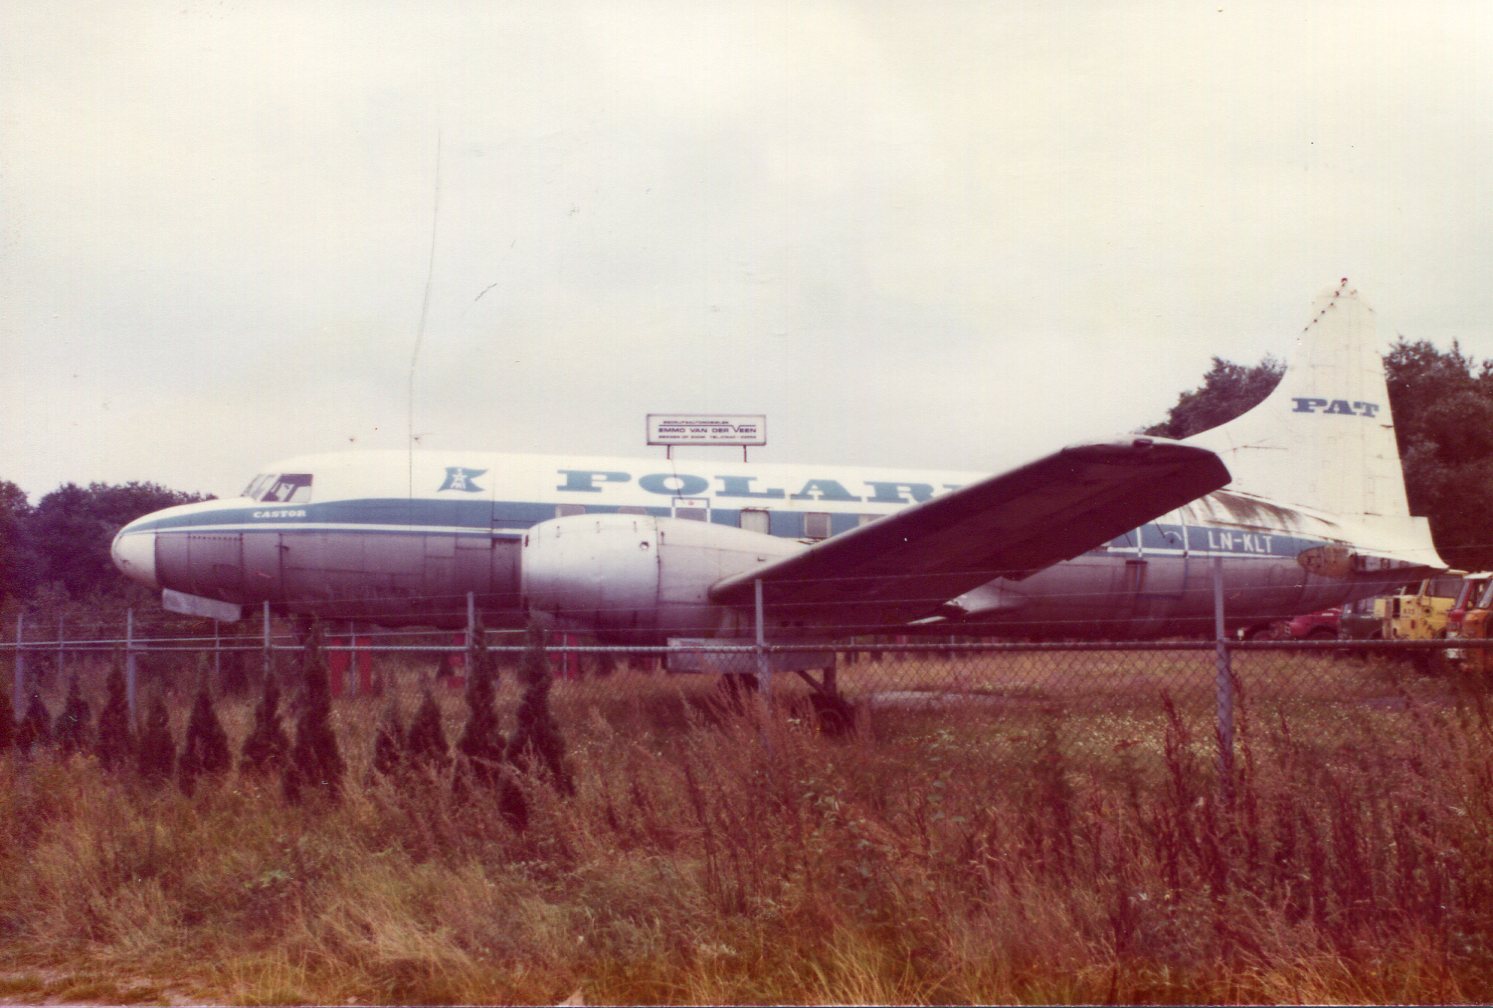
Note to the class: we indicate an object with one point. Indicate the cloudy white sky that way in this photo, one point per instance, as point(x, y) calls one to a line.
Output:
point(942, 234)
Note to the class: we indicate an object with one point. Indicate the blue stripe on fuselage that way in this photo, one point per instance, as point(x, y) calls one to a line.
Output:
point(393, 515)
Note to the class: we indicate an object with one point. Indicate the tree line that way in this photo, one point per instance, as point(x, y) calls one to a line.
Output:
point(57, 552)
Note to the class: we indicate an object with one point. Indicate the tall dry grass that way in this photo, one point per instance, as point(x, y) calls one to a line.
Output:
point(710, 854)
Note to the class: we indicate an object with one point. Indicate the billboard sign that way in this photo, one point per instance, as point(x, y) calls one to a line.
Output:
point(707, 429)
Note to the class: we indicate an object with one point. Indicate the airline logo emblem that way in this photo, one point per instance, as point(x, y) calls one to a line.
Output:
point(1307, 404)
point(461, 479)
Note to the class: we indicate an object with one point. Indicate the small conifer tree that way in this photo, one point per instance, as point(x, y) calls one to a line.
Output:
point(114, 743)
point(7, 724)
point(425, 746)
point(315, 762)
point(537, 745)
point(389, 742)
point(267, 747)
point(205, 751)
point(155, 757)
point(70, 730)
point(35, 729)
point(481, 743)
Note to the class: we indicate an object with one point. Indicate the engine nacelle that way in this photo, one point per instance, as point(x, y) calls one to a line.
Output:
point(637, 578)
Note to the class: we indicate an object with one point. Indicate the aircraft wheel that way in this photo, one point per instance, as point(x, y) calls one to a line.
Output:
point(834, 713)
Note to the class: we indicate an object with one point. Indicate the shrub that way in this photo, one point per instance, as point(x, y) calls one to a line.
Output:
point(70, 731)
point(114, 743)
point(481, 743)
point(537, 745)
point(35, 728)
point(389, 742)
point(267, 747)
point(7, 724)
point(205, 752)
point(155, 757)
point(315, 762)
point(425, 746)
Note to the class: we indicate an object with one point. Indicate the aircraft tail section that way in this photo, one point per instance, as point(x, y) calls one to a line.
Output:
point(1324, 439)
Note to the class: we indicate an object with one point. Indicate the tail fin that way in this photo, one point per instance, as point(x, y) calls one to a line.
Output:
point(1324, 439)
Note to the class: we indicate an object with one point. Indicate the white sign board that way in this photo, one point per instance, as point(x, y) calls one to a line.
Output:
point(707, 429)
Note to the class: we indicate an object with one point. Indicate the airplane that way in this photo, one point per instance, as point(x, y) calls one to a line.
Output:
point(1300, 502)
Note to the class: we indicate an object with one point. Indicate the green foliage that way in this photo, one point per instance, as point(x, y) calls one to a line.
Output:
point(7, 724)
point(389, 741)
point(1228, 390)
point(115, 742)
point(70, 731)
point(481, 743)
point(71, 529)
point(266, 748)
point(18, 562)
point(155, 758)
point(1444, 426)
point(537, 745)
point(35, 729)
point(315, 764)
point(205, 751)
point(425, 745)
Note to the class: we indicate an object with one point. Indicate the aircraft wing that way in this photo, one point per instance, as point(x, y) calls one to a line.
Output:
point(902, 567)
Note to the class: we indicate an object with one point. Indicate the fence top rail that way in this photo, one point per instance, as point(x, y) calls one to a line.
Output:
point(284, 643)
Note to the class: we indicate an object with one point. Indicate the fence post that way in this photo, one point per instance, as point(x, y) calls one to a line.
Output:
point(471, 620)
point(217, 656)
point(269, 664)
point(60, 670)
point(129, 662)
point(764, 666)
point(1223, 689)
point(18, 688)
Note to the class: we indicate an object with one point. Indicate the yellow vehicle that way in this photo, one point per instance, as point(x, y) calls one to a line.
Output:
point(1422, 614)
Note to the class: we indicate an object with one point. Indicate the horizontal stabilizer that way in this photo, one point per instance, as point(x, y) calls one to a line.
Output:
point(904, 566)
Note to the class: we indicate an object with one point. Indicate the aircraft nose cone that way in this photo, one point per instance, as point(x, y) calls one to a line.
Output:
point(134, 553)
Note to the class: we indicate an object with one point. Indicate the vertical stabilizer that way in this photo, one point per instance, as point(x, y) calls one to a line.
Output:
point(1324, 439)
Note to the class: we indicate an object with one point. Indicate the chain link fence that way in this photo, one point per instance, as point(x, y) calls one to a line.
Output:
point(1104, 700)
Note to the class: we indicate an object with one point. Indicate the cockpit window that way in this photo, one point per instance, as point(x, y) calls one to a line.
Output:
point(280, 488)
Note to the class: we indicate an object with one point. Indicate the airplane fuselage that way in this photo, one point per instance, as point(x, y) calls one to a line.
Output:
point(400, 539)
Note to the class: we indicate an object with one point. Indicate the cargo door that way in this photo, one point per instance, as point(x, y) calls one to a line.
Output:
point(262, 573)
point(216, 563)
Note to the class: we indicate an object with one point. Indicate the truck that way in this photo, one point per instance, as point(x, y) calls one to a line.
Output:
point(1422, 614)
point(1473, 625)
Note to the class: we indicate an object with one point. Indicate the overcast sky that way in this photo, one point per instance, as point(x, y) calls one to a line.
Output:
point(912, 234)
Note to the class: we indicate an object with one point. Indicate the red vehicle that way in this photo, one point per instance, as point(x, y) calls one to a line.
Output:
point(1320, 625)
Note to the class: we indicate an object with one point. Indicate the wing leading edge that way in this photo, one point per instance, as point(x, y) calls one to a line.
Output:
point(902, 567)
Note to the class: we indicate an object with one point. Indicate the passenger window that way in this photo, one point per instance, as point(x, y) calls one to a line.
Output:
point(816, 525)
point(564, 510)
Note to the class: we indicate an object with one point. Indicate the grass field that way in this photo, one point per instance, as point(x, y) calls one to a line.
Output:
point(1053, 830)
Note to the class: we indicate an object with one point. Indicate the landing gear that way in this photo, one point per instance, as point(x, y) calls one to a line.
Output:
point(832, 712)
